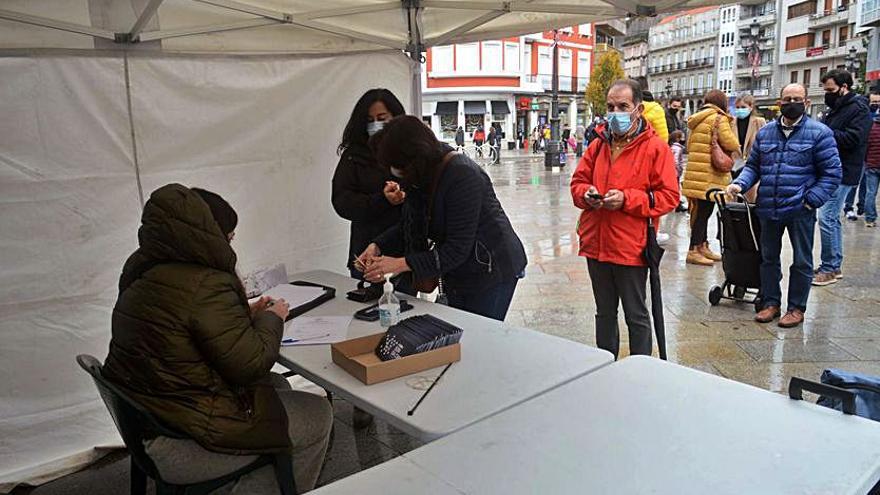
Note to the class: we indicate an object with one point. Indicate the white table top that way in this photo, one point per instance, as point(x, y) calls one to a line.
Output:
point(500, 366)
point(645, 426)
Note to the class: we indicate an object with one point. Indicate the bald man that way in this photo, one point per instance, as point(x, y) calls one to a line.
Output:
point(795, 159)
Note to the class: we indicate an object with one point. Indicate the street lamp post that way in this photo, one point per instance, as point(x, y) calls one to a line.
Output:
point(552, 154)
point(753, 52)
point(853, 63)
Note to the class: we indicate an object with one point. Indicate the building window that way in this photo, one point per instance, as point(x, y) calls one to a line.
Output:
point(565, 64)
point(527, 58)
point(492, 56)
point(807, 74)
point(511, 57)
point(467, 57)
point(441, 59)
point(583, 70)
point(794, 76)
point(802, 9)
point(826, 38)
point(691, 85)
point(798, 42)
point(844, 35)
point(822, 71)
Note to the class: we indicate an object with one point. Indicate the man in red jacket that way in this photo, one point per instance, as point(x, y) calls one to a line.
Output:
point(612, 184)
point(872, 163)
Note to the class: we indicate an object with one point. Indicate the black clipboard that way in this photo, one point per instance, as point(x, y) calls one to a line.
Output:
point(329, 293)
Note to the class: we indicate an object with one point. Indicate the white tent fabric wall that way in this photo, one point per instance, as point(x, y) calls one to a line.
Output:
point(261, 131)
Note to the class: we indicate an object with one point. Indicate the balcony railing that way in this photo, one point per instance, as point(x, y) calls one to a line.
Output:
point(830, 18)
point(566, 83)
point(690, 64)
point(763, 19)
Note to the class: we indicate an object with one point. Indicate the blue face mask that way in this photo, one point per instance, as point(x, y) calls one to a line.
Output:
point(742, 113)
point(619, 122)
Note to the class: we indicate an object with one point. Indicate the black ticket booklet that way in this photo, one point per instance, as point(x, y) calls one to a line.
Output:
point(417, 334)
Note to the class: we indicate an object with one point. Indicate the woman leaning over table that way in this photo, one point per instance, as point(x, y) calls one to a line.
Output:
point(450, 201)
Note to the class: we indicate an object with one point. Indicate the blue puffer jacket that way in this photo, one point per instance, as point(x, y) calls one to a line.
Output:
point(801, 169)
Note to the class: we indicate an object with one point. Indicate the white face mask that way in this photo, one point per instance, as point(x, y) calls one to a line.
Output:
point(374, 127)
point(397, 172)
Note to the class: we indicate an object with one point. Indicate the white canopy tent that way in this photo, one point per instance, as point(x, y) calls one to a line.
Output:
point(103, 101)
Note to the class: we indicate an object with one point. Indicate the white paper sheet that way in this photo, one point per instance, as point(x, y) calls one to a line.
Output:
point(311, 330)
point(295, 295)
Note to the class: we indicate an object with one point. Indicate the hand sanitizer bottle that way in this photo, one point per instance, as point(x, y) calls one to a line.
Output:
point(389, 305)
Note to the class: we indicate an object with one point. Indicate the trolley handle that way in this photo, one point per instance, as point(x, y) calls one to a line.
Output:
point(846, 397)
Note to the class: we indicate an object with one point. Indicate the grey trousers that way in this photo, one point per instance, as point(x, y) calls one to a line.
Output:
point(310, 418)
point(613, 284)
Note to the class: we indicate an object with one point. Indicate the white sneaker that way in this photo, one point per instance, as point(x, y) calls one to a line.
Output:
point(852, 215)
point(662, 238)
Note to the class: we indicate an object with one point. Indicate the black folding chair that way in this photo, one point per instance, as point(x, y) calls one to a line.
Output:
point(133, 421)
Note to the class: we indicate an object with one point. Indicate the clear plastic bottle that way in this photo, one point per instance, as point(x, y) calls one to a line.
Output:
point(389, 305)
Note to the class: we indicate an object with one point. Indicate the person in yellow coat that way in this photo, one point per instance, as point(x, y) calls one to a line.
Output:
point(653, 113)
point(700, 176)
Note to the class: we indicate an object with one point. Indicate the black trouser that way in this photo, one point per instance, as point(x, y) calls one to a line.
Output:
point(613, 284)
point(701, 212)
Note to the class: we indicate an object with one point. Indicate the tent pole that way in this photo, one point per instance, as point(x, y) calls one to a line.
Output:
point(148, 13)
point(415, 48)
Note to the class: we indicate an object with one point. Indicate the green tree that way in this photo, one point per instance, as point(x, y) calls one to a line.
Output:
point(607, 70)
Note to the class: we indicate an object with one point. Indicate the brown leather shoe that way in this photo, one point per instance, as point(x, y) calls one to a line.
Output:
point(707, 253)
point(768, 314)
point(694, 257)
point(791, 319)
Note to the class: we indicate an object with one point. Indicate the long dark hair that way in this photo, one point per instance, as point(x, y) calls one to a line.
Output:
point(355, 133)
point(407, 144)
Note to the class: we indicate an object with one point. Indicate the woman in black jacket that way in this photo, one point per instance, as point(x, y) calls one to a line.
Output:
point(452, 226)
point(363, 191)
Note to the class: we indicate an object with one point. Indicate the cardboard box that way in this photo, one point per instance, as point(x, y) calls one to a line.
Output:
point(358, 357)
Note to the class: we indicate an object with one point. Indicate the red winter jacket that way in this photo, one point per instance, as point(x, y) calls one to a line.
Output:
point(872, 158)
point(620, 236)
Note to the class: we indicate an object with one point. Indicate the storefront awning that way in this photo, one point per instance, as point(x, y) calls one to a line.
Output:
point(446, 108)
point(474, 107)
point(500, 108)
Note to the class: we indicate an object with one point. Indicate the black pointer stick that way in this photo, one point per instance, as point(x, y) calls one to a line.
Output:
point(413, 410)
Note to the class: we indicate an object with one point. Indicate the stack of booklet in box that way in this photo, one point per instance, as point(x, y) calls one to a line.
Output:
point(415, 335)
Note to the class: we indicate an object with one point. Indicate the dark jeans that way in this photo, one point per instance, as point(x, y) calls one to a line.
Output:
point(491, 303)
point(701, 213)
point(800, 233)
point(613, 284)
point(851, 197)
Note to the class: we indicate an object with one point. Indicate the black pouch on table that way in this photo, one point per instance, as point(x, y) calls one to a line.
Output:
point(417, 334)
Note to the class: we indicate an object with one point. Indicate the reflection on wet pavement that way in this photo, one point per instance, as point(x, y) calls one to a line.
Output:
point(842, 328)
point(843, 320)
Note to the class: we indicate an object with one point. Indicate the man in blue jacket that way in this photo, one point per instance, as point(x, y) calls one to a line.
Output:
point(796, 160)
point(849, 118)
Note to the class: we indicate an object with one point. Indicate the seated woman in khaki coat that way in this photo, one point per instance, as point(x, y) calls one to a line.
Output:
point(187, 346)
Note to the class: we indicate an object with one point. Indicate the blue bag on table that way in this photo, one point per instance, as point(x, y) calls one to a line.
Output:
point(865, 387)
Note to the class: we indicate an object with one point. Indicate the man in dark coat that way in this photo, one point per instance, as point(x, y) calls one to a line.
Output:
point(849, 118)
point(673, 119)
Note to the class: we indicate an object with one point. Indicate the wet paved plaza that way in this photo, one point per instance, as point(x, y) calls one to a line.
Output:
point(842, 328)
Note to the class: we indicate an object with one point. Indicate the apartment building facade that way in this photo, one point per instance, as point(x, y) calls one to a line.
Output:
point(683, 56)
point(508, 82)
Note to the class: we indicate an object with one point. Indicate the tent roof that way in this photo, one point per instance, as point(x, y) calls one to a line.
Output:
point(296, 26)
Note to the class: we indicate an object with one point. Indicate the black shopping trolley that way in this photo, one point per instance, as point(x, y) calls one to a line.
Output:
point(739, 231)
